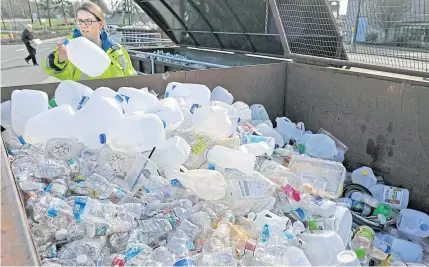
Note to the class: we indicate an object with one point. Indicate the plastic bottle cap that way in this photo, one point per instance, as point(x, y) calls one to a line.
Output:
point(365, 172)
point(61, 234)
point(424, 227)
point(360, 253)
point(81, 259)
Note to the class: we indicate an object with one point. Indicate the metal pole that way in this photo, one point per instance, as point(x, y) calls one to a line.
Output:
point(357, 22)
point(152, 65)
point(31, 14)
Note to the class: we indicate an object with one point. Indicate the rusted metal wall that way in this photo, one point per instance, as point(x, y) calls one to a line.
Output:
point(384, 121)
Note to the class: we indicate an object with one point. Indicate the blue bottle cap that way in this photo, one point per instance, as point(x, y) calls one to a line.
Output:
point(424, 227)
point(102, 138)
point(66, 41)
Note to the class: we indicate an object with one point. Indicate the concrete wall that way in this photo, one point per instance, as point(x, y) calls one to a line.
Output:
point(383, 121)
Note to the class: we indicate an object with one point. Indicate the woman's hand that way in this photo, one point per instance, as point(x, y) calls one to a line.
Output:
point(62, 52)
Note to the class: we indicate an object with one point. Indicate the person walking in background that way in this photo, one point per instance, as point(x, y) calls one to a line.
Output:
point(90, 22)
point(27, 37)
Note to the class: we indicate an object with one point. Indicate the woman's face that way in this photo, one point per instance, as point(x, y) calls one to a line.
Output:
point(91, 31)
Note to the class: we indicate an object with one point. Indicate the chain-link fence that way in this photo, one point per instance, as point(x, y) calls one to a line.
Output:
point(390, 33)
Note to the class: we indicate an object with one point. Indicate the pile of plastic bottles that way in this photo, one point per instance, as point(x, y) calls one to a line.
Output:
point(174, 58)
point(126, 178)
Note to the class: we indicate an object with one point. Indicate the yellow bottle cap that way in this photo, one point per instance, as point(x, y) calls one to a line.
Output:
point(365, 173)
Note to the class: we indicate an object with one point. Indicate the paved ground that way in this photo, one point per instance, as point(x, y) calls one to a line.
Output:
point(14, 70)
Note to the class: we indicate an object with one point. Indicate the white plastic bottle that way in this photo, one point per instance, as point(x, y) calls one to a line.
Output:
point(413, 222)
point(229, 158)
point(72, 93)
point(170, 87)
point(221, 94)
point(174, 151)
point(26, 104)
point(320, 146)
point(53, 123)
point(134, 133)
point(345, 221)
point(212, 121)
point(397, 197)
point(195, 95)
point(6, 120)
point(296, 257)
point(244, 111)
point(364, 176)
point(87, 56)
point(94, 119)
point(137, 99)
point(169, 111)
point(266, 130)
point(408, 251)
point(289, 130)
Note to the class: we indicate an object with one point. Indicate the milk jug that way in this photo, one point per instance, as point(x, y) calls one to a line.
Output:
point(53, 123)
point(87, 56)
point(26, 104)
point(137, 99)
point(221, 94)
point(72, 93)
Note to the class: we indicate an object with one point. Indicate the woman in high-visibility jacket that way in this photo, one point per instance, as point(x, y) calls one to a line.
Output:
point(90, 19)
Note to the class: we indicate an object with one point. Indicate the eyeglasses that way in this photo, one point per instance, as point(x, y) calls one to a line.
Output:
point(87, 22)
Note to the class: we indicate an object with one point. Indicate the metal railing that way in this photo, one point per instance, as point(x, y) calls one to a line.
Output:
point(385, 35)
point(140, 40)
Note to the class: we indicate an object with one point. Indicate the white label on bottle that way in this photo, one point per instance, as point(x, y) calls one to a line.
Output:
point(392, 195)
point(252, 188)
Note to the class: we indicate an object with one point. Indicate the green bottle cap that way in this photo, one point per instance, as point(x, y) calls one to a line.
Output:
point(52, 102)
point(360, 253)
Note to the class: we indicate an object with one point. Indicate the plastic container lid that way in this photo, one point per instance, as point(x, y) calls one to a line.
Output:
point(424, 227)
point(345, 258)
point(81, 259)
point(360, 253)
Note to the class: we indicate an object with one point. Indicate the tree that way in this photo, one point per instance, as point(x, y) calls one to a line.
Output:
point(38, 12)
point(102, 4)
point(386, 14)
point(47, 5)
point(64, 6)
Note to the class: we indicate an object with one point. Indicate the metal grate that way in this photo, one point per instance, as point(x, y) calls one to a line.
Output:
point(390, 33)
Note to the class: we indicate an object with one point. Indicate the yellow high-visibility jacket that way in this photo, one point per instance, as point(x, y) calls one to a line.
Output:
point(120, 62)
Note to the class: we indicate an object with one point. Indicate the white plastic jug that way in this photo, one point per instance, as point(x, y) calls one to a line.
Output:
point(94, 119)
point(6, 120)
point(53, 123)
point(364, 176)
point(169, 111)
point(212, 121)
point(254, 139)
point(170, 87)
point(137, 99)
point(313, 243)
point(206, 184)
point(221, 94)
point(171, 152)
point(72, 93)
point(227, 158)
point(187, 118)
point(134, 133)
point(345, 220)
point(256, 149)
point(87, 56)
point(26, 104)
point(105, 92)
point(244, 111)
point(195, 95)
point(277, 224)
point(413, 222)
point(320, 146)
point(397, 197)
point(296, 257)
point(266, 130)
point(232, 111)
point(259, 112)
point(289, 130)
point(408, 251)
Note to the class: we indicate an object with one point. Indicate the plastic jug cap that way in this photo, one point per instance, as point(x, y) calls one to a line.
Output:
point(66, 41)
point(424, 227)
point(360, 253)
point(102, 138)
point(365, 172)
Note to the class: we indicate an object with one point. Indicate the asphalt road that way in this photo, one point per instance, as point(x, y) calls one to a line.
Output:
point(14, 69)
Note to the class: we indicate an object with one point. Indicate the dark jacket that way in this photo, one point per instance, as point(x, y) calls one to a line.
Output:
point(26, 37)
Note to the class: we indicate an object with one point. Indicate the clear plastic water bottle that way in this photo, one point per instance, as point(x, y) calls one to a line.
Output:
point(118, 241)
point(63, 148)
point(151, 230)
point(11, 139)
point(355, 206)
point(54, 212)
point(362, 243)
point(365, 198)
point(57, 188)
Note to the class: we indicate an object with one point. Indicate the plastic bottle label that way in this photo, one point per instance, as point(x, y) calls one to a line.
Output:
point(132, 252)
point(82, 102)
point(300, 213)
point(56, 188)
point(118, 262)
point(200, 146)
point(392, 195)
point(74, 165)
point(212, 166)
point(265, 234)
point(193, 107)
point(79, 207)
point(381, 245)
point(320, 223)
point(317, 200)
point(251, 189)
point(176, 183)
point(367, 232)
point(100, 229)
point(185, 262)
point(117, 195)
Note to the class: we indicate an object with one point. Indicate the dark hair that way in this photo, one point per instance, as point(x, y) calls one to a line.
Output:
point(93, 9)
